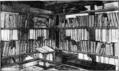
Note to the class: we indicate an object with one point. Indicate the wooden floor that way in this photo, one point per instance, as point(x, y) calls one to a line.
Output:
point(36, 68)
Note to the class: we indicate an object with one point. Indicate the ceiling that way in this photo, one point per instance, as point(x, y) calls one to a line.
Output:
point(66, 6)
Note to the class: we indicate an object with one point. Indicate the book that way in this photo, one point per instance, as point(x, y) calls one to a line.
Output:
point(98, 48)
point(97, 58)
point(80, 56)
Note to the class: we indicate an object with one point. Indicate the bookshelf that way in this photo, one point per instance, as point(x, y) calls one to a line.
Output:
point(88, 33)
point(84, 32)
point(20, 35)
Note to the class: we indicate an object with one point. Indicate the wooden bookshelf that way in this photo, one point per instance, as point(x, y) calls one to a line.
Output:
point(60, 28)
point(22, 29)
point(91, 31)
point(27, 61)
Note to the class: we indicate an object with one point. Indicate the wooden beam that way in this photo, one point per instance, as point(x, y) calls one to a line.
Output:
point(40, 11)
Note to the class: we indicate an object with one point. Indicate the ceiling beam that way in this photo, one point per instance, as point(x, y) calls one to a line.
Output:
point(40, 11)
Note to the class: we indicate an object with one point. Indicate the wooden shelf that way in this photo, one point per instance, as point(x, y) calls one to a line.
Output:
point(9, 28)
point(23, 28)
point(94, 11)
point(21, 40)
point(16, 56)
point(41, 28)
point(89, 65)
point(20, 63)
point(25, 54)
point(66, 65)
point(80, 27)
point(85, 63)
point(45, 66)
point(102, 10)
point(70, 52)
point(96, 41)
point(88, 27)
point(75, 53)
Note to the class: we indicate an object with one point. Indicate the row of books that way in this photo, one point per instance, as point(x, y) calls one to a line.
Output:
point(15, 48)
point(68, 46)
point(107, 35)
point(15, 20)
point(97, 20)
point(12, 20)
point(21, 47)
point(97, 48)
point(107, 20)
point(77, 34)
point(105, 49)
point(89, 47)
point(7, 35)
point(101, 59)
point(34, 34)
point(103, 35)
